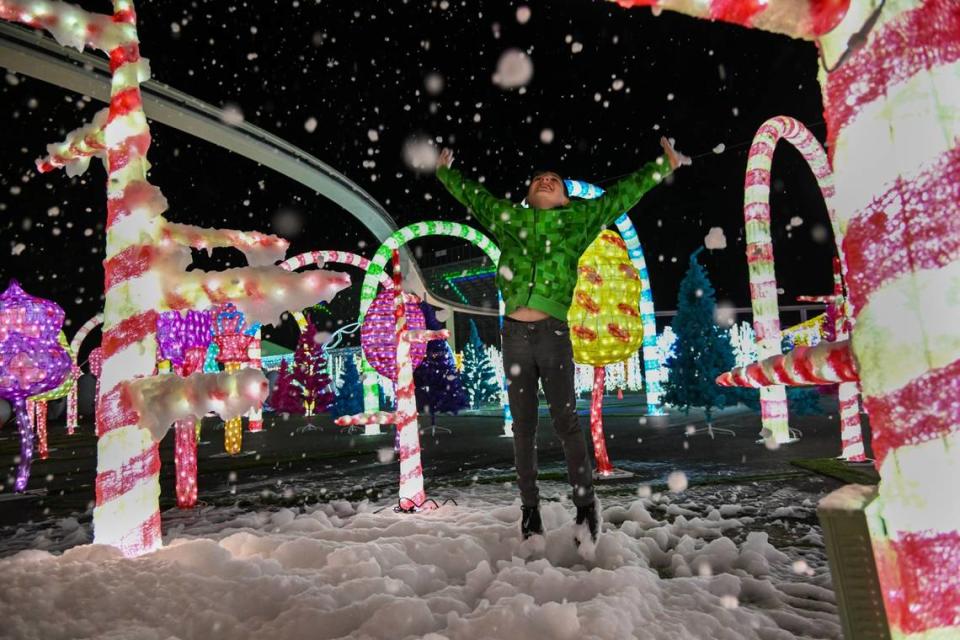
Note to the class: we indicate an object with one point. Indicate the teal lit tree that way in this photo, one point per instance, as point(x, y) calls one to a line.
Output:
point(478, 375)
point(702, 350)
point(349, 395)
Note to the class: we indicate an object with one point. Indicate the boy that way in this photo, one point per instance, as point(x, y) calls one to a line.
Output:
point(540, 247)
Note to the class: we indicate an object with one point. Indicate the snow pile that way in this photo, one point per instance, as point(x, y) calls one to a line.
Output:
point(341, 570)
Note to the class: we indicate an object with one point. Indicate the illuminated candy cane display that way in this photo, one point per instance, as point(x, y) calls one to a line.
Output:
point(75, 345)
point(763, 282)
point(377, 268)
point(412, 495)
point(851, 435)
point(653, 371)
point(886, 71)
point(371, 392)
point(826, 363)
point(144, 269)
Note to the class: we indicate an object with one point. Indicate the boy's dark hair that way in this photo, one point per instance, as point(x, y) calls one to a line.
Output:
point(537, 174)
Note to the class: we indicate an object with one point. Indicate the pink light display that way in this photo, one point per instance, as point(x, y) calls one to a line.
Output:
point(233, 347)
point(378, 335)
point(31, 361)
point(40, 422)
point(183, 340)
point(412, 495)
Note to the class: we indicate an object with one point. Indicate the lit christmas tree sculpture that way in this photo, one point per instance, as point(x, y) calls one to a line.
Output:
point(287, 396)
point(310, 371)
point(479, 377)
point(702, 350)
point(349, 395)
point(439, 387)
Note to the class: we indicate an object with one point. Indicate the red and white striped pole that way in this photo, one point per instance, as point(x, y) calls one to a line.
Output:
point(128, 460)
point(596, 422)
point(255, 415)
point(405, 417)
point(411, 468)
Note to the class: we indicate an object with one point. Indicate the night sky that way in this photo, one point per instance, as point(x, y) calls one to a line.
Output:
point(351, 83)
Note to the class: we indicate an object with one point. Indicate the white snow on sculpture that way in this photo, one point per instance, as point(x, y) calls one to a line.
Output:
point(162, 400)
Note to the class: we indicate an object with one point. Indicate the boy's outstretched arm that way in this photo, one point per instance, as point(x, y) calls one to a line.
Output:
point(486, 208)
point(622, 196)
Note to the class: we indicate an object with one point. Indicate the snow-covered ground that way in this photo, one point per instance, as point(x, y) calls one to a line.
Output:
point(699, 564)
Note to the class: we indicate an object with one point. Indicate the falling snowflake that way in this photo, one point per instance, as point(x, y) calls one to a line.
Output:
point(514, 69)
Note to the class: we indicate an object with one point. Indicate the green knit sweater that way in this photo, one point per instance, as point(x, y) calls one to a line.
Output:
point(540, 248)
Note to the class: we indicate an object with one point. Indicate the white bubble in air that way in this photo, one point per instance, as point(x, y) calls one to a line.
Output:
point(514, 69)
point(287, 222)
point(433, 83)
point(232, 114)
point(677, 481)
point(715, 239)
point(420, 154)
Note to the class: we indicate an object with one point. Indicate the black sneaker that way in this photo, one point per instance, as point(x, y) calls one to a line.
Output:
point(530, 523)
point(587, 522)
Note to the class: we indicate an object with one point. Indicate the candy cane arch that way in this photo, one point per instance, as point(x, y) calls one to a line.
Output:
point(412, 495)
point(419, 230)
point(75, 345)
point(653, 370)
point(371, 391)
point(889, 79)
point(144, 275)
point(763, 282)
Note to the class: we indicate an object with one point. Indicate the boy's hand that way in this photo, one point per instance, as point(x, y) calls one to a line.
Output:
point(676, 158)
point(446, 158)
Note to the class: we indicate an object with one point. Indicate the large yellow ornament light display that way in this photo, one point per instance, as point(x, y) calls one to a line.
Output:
point(605, 324)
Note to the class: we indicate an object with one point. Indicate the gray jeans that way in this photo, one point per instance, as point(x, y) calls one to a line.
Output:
point(535, 351)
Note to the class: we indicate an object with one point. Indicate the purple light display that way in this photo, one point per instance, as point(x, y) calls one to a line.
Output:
point(31, 360)
point(378, 335)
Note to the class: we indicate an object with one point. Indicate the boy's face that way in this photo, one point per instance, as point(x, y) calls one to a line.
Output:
point(546, 191)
